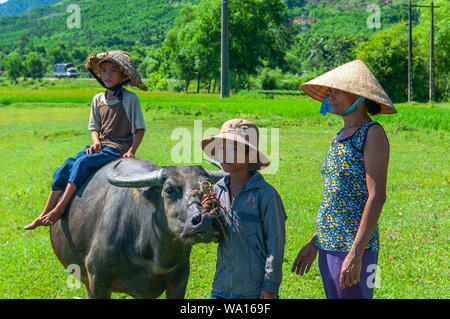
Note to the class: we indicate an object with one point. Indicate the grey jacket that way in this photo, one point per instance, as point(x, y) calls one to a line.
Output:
point(251, 259)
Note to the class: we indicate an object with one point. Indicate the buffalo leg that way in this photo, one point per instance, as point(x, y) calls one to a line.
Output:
point(99, 287)
point(177, 287)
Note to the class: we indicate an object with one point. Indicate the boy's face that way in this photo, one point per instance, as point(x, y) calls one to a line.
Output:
point(110, 74)
point(234, 157)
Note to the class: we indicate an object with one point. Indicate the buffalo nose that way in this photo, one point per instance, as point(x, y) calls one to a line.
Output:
point(196, 219)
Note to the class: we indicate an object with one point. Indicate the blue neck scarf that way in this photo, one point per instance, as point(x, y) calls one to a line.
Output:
point(117, 89)
point(326, 106)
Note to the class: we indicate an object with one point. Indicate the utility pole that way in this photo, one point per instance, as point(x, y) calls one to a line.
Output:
point(432, 53)
point(410, 54)
point(225, 55)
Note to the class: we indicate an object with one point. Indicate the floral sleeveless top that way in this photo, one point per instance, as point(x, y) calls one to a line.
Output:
point(345, 194)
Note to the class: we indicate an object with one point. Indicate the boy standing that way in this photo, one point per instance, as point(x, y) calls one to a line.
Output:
point(249, 262)
point(117, 129)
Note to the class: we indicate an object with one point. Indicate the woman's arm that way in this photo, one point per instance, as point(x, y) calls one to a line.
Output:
point(376, 159)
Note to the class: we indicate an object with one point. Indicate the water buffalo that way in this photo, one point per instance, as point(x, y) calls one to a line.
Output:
point(130, 229)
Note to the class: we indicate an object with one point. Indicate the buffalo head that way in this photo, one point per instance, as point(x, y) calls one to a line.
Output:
point(178, 212)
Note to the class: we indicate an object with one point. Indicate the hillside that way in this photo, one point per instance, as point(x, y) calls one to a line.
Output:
point(114, 24)
point(107, 23)
point(13, 7)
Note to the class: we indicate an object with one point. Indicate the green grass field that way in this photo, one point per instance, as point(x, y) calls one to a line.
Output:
point(41, 126)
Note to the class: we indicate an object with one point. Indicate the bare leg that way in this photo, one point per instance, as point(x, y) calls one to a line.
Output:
point(54, 210)
point(51, 203)
point(56, 213)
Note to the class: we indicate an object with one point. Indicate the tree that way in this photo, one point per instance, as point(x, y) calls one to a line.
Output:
point(58, 55)
point(385, 53)
point(13, 65)
point(294, 3)
point(441, 51)
point(177, 50)
point(33, 66)
point(257, 35)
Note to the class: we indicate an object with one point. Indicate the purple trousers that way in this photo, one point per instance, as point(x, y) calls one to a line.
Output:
point(330, 263)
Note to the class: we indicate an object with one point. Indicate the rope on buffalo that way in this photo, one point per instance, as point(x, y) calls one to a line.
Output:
point(216, 210)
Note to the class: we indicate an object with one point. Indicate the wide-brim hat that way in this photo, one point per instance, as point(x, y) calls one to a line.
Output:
point(122, 60)
point(353, 77)
point(245, 133)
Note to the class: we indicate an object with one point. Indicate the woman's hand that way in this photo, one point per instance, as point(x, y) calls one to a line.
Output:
point(305, 258)
point(208, 201)
point(96, 147)
point(350, 270)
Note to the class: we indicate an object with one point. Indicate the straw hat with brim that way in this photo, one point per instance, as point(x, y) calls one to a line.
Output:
point(244, 133)
point(122, 60)
point(354, 77)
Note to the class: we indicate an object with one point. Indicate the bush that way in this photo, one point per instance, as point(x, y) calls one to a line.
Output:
point(269, 79)
point(178, 86)
point(157, 81)
point(291, 82)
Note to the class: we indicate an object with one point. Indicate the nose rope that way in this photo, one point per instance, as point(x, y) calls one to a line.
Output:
point(216, 210)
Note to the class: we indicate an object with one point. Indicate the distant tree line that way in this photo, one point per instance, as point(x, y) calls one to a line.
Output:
point(269, 49)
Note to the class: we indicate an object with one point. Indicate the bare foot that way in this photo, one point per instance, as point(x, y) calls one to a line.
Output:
point(39, 221)
point(53, 216)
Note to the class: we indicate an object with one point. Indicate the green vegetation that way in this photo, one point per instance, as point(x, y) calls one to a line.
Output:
point(274, 44)
point(104, 24)
point(41, 126)
point(385, 52)
point(10, 8)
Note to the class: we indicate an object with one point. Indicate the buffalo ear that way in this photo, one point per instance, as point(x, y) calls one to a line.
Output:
point(126, 173)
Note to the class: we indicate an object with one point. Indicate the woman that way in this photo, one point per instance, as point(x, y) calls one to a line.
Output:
point(355, 173)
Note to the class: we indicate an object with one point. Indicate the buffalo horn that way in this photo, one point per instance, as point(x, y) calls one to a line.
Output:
point(134, 179)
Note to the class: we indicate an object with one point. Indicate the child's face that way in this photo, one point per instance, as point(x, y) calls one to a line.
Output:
point(234, 158)
point(110, 74)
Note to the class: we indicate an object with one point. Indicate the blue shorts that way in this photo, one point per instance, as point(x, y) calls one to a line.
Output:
point(77, 169)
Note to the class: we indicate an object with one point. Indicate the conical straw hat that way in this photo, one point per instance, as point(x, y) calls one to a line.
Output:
point(354, 77)
point(122, 60)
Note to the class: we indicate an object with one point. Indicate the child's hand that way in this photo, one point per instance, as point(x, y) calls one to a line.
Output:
point(267, 295)
point(305, 259)
point(96, 147)
point(208, 201)
point(130, 153)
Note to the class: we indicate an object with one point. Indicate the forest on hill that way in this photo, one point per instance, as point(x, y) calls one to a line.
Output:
point(274, 44)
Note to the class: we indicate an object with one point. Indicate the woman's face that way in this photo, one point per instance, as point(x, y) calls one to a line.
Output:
point(340, 101)
point(110, 74)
